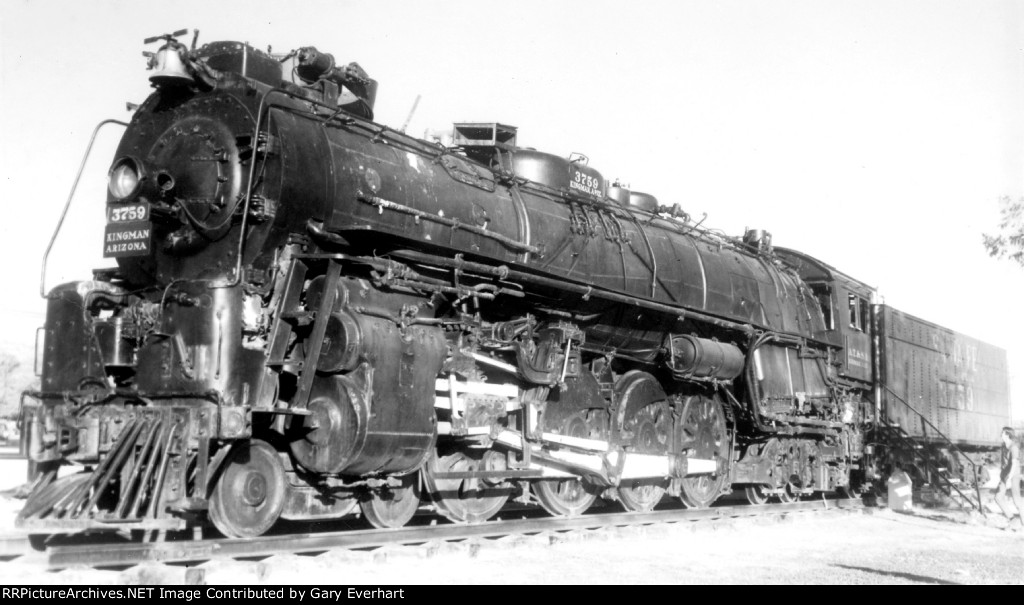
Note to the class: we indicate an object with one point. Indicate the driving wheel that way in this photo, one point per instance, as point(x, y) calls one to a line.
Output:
point(567, 497)
point(644, 416)
point(704, 435)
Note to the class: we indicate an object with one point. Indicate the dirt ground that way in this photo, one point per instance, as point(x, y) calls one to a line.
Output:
point(878, 546)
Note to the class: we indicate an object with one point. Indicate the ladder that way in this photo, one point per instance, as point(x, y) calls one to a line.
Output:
point(939, 475)
point(291, 315)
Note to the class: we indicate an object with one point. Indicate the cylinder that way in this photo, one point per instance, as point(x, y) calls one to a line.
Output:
point(379, 418)
point(694, 357)
point(342, 343)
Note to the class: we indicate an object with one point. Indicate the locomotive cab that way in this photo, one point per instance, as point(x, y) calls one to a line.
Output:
point(846, 306)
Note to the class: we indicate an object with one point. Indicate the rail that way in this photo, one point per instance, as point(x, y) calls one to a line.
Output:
point(953, 448)
point(131, 553)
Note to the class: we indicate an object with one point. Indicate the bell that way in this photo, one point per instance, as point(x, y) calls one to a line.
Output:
point(170, 68)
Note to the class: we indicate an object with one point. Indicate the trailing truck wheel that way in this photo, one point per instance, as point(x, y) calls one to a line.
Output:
point(703, 433)
point(249, 492)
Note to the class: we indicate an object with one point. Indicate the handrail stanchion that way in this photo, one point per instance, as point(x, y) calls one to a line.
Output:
point(67, 204)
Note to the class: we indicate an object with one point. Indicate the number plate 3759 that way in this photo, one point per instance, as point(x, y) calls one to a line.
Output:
point(131, 212)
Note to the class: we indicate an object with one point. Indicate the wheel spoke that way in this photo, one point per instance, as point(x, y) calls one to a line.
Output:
point(703, 432)
point(570, 497)
point(648, 418)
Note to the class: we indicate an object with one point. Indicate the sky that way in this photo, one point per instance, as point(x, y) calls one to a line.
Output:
point(877, 136)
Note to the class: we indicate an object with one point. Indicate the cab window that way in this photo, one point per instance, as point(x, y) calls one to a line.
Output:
point(860, 313)
point(824, 296)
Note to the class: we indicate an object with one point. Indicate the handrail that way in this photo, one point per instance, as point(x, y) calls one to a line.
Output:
point(953, 447)
point(935, 428)
point(67, 204)
point(908, 441)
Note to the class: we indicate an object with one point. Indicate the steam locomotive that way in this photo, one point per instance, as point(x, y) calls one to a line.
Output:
point(316, 316)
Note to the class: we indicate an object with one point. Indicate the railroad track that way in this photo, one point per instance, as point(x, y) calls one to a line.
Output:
point(124, 554)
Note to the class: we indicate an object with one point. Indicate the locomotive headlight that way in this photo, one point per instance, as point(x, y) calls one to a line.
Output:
point(124, 178)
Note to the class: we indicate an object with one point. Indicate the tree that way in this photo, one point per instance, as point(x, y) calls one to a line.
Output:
point(1009, 242)
point(8, 398)
point(16, 375)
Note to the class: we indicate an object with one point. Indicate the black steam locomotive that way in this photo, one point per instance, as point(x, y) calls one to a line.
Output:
point(314, 315)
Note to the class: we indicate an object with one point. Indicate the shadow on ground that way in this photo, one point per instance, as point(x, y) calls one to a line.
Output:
point(897, 574)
